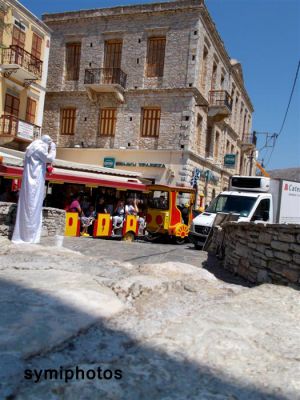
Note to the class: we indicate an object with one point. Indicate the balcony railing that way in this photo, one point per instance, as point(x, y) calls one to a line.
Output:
point(105, 76)
point(16, 55)
point(13, 127)
point(220, 98)
point(8, 125)
point(248, 139)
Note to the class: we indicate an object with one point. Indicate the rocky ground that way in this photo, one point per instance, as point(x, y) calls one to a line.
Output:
point(150, 321)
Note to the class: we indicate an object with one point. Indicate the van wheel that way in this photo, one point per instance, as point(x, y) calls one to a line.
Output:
point(128, 237)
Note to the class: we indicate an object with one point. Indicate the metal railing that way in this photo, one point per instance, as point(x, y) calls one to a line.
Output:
point(9, 126)
point(105, 76)
point(249, 138)
point(16, 55)
point(219, 98)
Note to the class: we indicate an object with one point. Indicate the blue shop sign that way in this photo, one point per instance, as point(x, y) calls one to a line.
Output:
point(229, 160)
point(109, 162)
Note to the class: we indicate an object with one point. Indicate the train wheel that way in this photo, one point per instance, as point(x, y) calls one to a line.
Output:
point(179, 240)
point(128, 237)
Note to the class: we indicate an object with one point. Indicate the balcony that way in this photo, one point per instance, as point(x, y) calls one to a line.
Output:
point(248, 141)
point(105, 80)
point(12, 128)
point(220, 105)
point(24, 66)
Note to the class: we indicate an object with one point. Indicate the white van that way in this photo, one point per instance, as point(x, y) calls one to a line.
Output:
point(255, 199)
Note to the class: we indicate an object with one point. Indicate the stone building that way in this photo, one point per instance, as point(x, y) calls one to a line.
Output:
point(151, 88)
point(24, 49)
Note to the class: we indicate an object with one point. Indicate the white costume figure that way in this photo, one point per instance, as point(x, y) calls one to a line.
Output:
point(29, 213)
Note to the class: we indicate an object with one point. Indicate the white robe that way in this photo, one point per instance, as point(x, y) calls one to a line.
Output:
point(29, 213)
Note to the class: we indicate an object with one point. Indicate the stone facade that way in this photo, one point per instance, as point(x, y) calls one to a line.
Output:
point(261, 252)
point(53, 220)
point(182, 93)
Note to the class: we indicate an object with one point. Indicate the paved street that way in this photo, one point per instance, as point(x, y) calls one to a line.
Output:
point(153, 312)
point(146, 252)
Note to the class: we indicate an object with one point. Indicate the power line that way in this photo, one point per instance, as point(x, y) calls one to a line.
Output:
point(291, 95)
point(286, 112)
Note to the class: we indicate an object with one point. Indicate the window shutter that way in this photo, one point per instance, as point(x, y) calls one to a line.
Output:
point(107, 123)
point(150, 122)
point(30, 111)
point(156, 56)
point(68, 118)
point(73, 51)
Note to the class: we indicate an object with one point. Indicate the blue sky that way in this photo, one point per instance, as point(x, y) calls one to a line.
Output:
point(264, 35)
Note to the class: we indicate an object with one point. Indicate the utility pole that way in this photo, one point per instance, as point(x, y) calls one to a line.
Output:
point(251, 162)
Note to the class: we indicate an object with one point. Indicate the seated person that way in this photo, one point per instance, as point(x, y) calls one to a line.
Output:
point(85, 203)
point(184, 209)
point(75, 204)
point(185, 214)
point(132, 209)
point(162, 202)
point(119, 214)
point(101, 207)
point(6, 196)
point(87, 220)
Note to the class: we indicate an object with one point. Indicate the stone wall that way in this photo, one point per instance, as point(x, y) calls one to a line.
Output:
point(261, 252)
point(53, 220)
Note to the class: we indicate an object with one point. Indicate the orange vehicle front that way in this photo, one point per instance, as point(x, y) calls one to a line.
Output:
point(169, 212)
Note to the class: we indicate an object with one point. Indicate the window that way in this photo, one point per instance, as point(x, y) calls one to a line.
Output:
point(108, 119)
point(68, 119)
point(18, 37)
point(214, 77)
point(204, 68)
point(208, 145)
point(227, 146)
point(73, 51)
point(222, 82)
point(199, 132)
point(150, 122)
point(217, 144)
point(156, 56)
point(159, 200)
point(2, 24)
point(232, 204)
point(262, 211)
point(36, 49)
point(30, 111)
point(12, 104)
point(113, 54)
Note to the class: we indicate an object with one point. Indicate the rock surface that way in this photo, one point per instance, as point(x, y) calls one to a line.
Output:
point(174, 330)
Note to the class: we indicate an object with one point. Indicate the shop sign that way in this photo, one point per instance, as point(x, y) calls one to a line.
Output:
point(196, 176)
point(210, 177)
point(229, 160)
point(25, 131)
point(109, 162)
point(141, 164)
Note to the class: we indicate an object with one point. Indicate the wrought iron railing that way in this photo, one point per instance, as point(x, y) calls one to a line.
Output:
point(249, 138)
point(16, 55)
point(9, 126)
point(220, 98)
point(104, 76)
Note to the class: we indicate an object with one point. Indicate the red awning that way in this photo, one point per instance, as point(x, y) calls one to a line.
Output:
point(82, 178)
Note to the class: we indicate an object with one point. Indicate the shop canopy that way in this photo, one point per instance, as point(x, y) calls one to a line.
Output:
point(11, 167)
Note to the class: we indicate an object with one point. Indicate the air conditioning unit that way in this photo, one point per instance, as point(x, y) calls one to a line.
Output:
point(249, 184)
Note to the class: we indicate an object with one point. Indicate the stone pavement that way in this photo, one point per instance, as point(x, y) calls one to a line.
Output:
point(172, 328)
